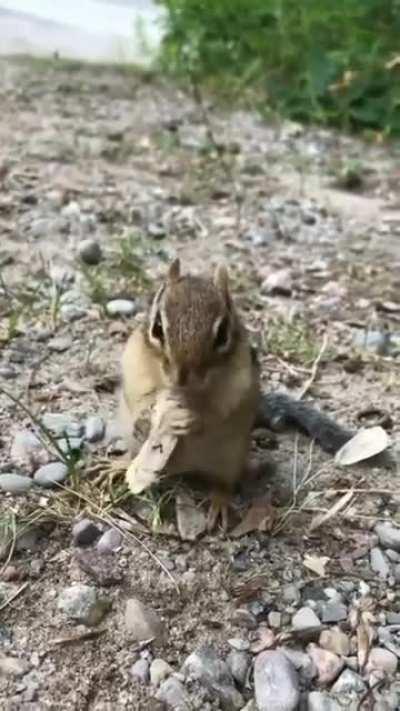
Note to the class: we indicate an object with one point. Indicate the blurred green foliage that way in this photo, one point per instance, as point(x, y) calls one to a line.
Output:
point(336, 62)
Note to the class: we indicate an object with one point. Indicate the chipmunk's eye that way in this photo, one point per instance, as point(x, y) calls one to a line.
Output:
point(157, 329)
point(221, 338)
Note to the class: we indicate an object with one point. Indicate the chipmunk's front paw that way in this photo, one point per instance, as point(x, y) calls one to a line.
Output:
point(172, 416)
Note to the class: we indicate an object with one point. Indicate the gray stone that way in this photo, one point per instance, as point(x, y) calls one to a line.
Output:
point(7, 372)
point(274, 619)
point(205, 665)
point(72, 312)
point(239, 665)
point(241, 645)
point(110, 541)
point(372, 341)
point(276, 682)
point(303, 664)
point(60, 344)
point(15, 483)
point(85, 532)
point(50, 475)
point(82, 604)
point(27, 451)
point(382, 660)
point(389, 535)
point(60, 425)
point(348, 682)
point(104, 569)
point(70, 444)
point(11, 666)
point(336, 641)
point(140, 671)
point(141, 622)
point(394, 556)
point(328, 664)
point(94, 428)
point(174, 695)
point(334, 612)
point(321, 701)
point(291, 594)
point(305, 618)
point(121, 307)
point(159, 671)
point(90, 252)
point(379, 563)
point(393, 618)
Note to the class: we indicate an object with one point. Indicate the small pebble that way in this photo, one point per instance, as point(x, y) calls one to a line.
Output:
point(141, 622)
point(159, 671)
point(244, 618)
point(389, 535)
point(276, 682)
point(50, 475)
point(321, 701)
point(348, 682)
point(121, 307)
point(11, 666)
point(382, 660)
point(104, 569)
point(82, 604)
point(60, 345)
point(7, 372)
point(336, 641)
point(241, 645)
point(140, 671)
point(379, 563)
point(305, 618)
point(239, 665)
point(274, 619)
point(90, 252)
point(15, 483)
point(60, 425)
point(205, 666)
point(110, 541)
point(94, 429)
point(173, 694)
point(329, 665)
point(334, 612)
point(85, 532)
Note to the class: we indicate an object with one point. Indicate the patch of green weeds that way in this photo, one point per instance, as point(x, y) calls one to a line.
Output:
point(292, 341)
point(121, 273)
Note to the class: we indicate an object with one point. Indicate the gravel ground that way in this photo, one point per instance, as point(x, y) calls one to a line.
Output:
point(105, 602)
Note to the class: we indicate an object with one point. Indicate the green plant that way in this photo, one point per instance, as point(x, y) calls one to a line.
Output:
point(333, 62)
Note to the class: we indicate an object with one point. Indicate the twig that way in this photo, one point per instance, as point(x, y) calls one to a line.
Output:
point(368, 693)
point(12, 597)
point(81, 637)
point(12, 547)
point(314, 369)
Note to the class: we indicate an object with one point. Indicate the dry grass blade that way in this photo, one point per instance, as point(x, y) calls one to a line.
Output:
point(314, 370)
point(333, 511)
point(80, 637)
point(12, 597)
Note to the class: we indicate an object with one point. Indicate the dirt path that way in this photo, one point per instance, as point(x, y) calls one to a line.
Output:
point(126, 163)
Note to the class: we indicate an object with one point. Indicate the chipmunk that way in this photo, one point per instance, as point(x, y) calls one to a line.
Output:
point(194, 351)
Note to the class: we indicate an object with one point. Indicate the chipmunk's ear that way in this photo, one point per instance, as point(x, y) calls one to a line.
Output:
point(221, 281)
point(174, 270)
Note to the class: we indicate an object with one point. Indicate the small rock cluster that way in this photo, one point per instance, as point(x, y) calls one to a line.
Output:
point(35, 464)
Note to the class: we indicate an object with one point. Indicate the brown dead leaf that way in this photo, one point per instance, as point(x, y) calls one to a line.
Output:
point(265, 640)
point(333, 511)
point(316, 563)
point(259, 517)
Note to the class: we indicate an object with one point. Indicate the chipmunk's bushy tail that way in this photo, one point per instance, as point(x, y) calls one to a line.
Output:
point(278, 412)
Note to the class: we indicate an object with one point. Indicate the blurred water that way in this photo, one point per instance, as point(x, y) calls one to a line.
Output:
point(108, 30)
